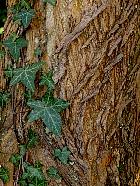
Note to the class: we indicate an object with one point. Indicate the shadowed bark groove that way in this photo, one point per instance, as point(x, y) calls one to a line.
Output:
point(93, 47)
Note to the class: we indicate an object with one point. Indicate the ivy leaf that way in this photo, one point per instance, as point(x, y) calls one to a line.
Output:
point(4, 97)
point(37, 52)
point(9, 72)
point(33, 172)
point(22, 182)
point(32, 139)
point(63, 155)
point(52, 2)
point(48, 110)
point(25, 16)
point(4, 174)
point(53, 173)
point(22, 151)
point(15, 159)
point(2, 54)
point(15, 45)
point(25, 4)
point(47, 79)
point(32, 175)
point(48, 114)
point(60, 104)
point(26, 75)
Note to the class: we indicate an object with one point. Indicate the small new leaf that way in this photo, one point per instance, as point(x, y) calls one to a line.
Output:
point(15, 159)
point(4, 98)
point(62, 155)
point(2, 54)
point(53, 173)
point(47, 79)
point(4, 174)
point(15, 45)
point(22, 150)
point(26, 75)
point(52, 2)
point(32, 139)
point(37, 52)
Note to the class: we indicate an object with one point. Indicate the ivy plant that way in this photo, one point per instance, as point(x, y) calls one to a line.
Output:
point(52, 172)
point(26, 75)
point(2, 54)
point(23, 13)
point(14, 45)
point(32, 141)
point(62, 155)
point(46, 79)
point(52, 2)
point(37, 52)
point(8, 72)
point(48, 109)
point(4, 174)
point(4, 98)
point(32, 175)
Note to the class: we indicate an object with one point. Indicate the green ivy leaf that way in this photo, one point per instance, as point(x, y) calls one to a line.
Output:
point(52, 2)
point(26, 75)
point(9, 72)
point(62, 155)
point(33, 172)
point(2, 54)
point(22, 182)
point(32, 139)
point(25, 4)
point(15, 45)
point(47, 79)
point(4, 174)
point(4, 98)
point(37, 52)
point(60, 104)
point(25, 16)
point(15, 159)
point(48, 114)
point(37, 182)
point(32, 175)
point(48, 111)
point(22, 150)
point(53, 173)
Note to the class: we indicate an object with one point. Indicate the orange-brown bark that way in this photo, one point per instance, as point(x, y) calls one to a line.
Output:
point(93, 47)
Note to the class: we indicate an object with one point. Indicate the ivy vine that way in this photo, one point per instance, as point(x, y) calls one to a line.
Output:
point(47, 108)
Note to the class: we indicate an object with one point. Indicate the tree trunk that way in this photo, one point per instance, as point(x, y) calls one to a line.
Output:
point(93, 47)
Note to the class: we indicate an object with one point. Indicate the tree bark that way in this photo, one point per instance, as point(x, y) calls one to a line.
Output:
point(93, 47)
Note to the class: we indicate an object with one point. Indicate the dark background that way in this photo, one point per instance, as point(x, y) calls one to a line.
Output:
point(3, 12)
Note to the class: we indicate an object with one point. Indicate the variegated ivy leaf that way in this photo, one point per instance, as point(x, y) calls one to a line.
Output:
point(25, 16)
point(26, 75)
point(52, 2)
point(47, 79)
point(14, 45)
point(48, 112)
